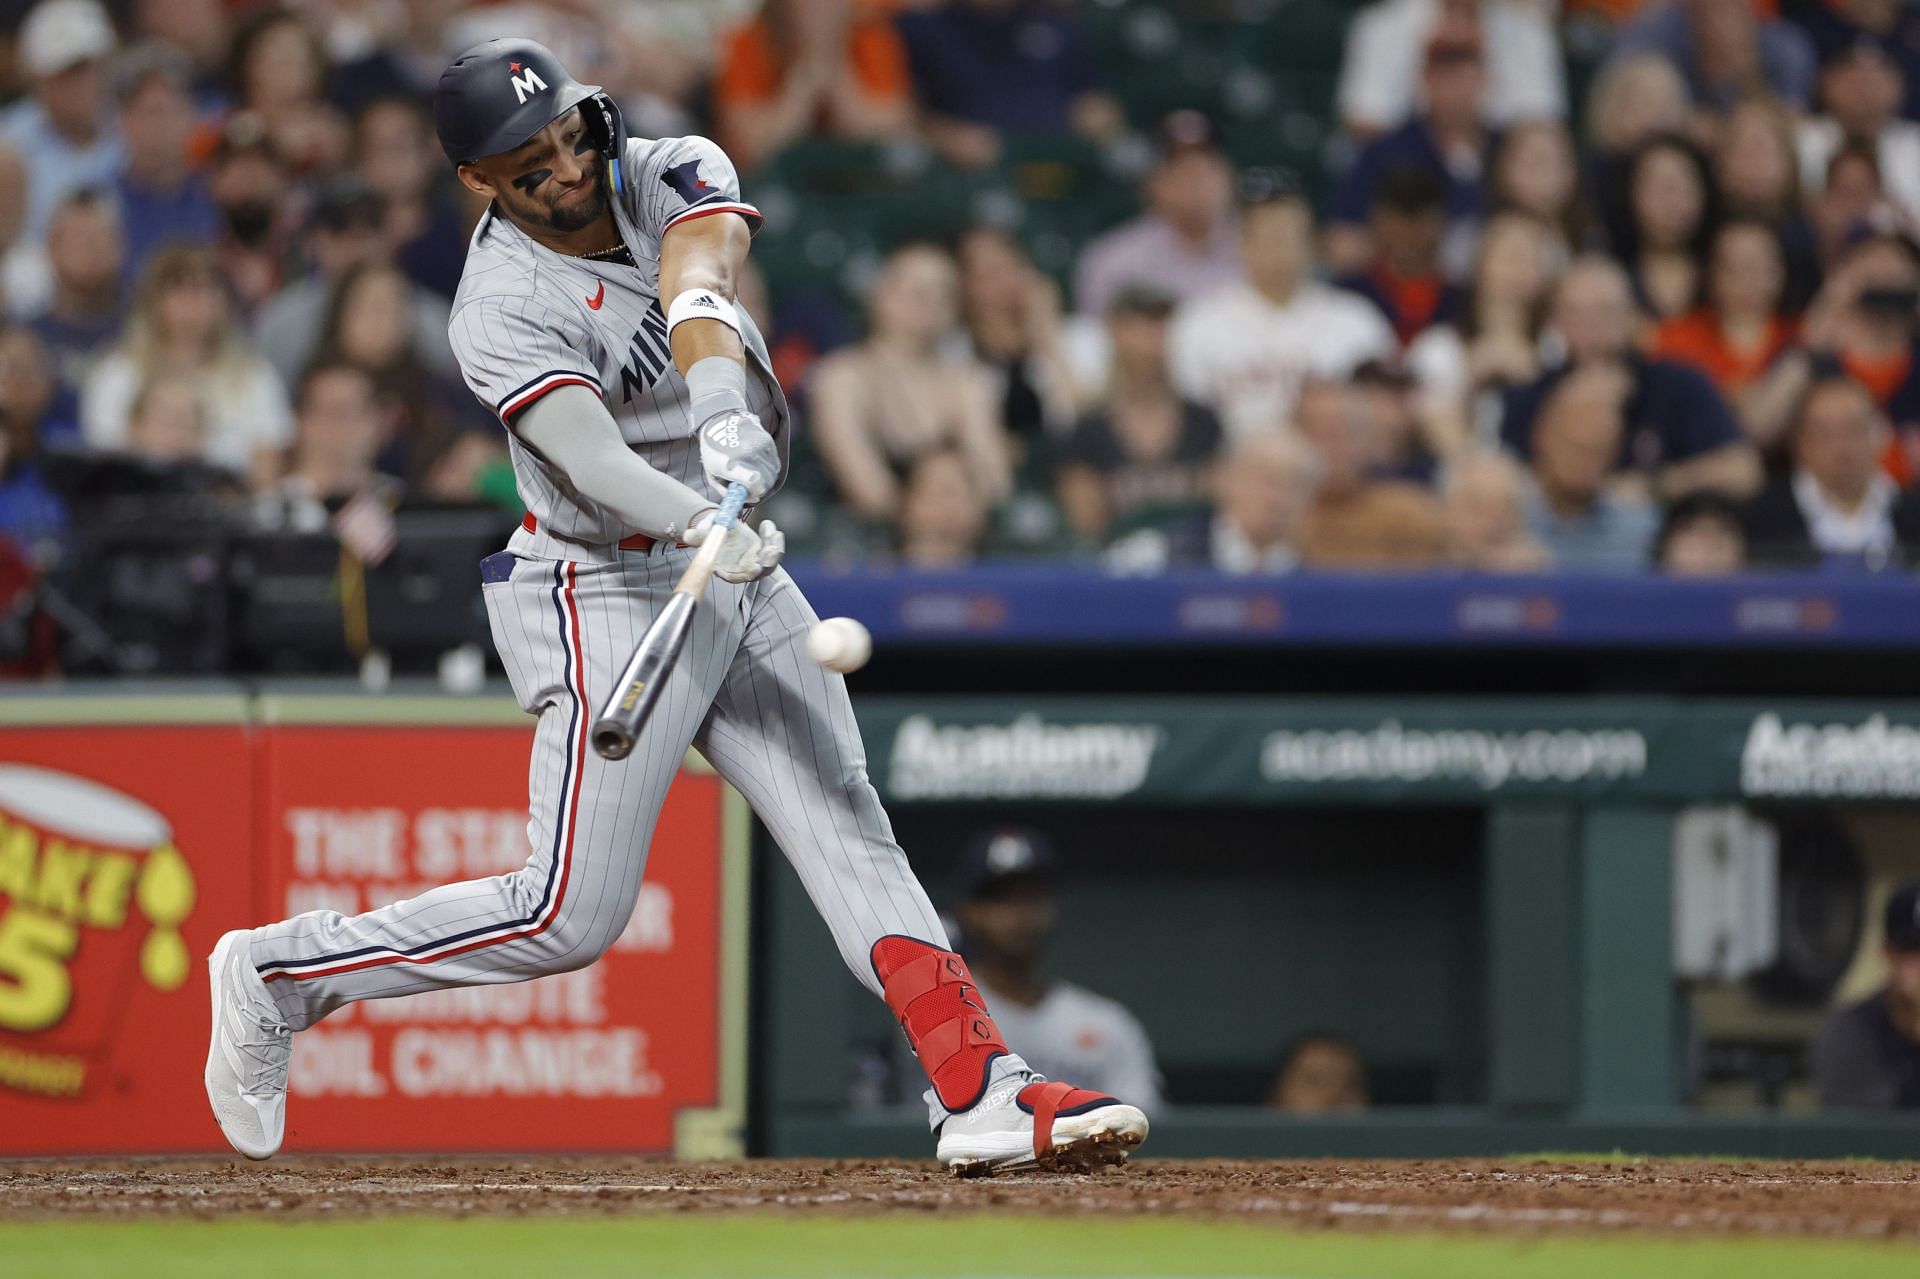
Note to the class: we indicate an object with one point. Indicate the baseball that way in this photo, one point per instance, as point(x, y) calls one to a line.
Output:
point(840, 644)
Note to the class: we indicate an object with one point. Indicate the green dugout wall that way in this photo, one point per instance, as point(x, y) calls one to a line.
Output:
point(1506, 894)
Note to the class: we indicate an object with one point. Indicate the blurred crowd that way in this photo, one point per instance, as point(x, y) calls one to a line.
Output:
point(1663, 319)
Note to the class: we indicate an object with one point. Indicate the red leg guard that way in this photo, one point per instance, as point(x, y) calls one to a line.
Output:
point(946, 1020)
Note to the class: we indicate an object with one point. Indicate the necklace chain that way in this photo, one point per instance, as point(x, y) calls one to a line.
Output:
point(610, 254)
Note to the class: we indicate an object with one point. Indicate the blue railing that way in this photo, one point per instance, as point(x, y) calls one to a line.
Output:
point(1059, 604)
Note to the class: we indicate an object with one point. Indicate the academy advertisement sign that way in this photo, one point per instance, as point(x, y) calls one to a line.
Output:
point(1392, 752)
point(1201, 751)
point(1028, 758)
point(1860, 758)
point(1328, 750)
point(126, 852)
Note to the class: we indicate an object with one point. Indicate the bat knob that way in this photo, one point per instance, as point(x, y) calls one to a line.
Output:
point(611, 741)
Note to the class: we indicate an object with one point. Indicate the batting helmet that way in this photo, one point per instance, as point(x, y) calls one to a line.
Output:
point(500, 93)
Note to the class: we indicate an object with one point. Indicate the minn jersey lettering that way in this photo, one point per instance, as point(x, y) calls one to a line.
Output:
point(649, 355)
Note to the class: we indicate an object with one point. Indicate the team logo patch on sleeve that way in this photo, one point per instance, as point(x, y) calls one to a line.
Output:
point(687, 183)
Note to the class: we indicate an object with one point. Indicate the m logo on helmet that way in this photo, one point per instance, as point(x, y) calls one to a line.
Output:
point(523, 85)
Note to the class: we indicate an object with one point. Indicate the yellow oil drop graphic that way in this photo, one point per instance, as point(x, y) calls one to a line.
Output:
point(163, 959)
point(165, 894)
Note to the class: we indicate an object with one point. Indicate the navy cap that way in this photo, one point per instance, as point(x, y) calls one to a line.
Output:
point(1903, 917)
point(995, 856)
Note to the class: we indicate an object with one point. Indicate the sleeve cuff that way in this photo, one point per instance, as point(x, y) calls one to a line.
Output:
point(745, 210)
point(517, 400)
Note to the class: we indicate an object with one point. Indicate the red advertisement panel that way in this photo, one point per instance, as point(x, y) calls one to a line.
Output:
point(125, 851)
point(124, 854)
point(599, 1059)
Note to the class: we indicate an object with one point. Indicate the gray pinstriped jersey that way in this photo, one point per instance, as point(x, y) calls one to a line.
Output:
point(567, 610)
point(528, 320)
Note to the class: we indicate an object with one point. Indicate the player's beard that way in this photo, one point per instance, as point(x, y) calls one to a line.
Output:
point(575, 216)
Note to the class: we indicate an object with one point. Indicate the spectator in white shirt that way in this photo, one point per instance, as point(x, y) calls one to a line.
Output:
point(1837, 501)
point(1379, 72)
point(1246, 349)
point(66, 127)
point(1861, 90)
point(1184, 244)
point(182, 321)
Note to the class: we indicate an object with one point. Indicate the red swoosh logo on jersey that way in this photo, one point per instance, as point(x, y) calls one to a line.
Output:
point(595, 301)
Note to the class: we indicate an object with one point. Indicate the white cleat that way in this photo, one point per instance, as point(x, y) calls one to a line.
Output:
point(1030, 1123)
point(249, 1052)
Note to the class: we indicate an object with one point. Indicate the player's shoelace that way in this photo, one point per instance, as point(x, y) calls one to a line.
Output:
point(271, 1054)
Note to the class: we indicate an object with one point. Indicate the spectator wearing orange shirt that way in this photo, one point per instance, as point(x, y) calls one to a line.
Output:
point(1403, 276)
point(1739, 331)
point(834, 68)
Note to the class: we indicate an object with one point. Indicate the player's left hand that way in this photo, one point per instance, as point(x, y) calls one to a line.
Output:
point(736, 449)
point(748, 554)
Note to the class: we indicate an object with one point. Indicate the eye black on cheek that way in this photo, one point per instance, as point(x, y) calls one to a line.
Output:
point(530, 182)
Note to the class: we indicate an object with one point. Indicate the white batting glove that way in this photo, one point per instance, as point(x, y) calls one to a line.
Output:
point(748, 554)
point(736, 449)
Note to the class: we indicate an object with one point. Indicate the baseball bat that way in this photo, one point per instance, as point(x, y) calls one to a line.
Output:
point(639, 685)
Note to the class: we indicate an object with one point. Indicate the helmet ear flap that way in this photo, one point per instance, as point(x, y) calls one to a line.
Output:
point(608, 133)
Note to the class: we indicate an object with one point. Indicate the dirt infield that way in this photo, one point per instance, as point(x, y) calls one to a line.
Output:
point(1827, 1200)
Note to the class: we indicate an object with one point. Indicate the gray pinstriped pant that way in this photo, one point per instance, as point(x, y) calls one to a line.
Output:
point(773, 723)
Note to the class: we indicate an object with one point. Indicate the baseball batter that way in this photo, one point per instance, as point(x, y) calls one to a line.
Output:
point(596, 319)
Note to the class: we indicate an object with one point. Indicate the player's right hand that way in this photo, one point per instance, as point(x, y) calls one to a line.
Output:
point(736, 449)
point(748, 554)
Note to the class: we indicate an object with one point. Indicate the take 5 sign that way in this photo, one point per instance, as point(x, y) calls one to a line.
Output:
point(93, 896)
point(127, 849)
point(123, 854)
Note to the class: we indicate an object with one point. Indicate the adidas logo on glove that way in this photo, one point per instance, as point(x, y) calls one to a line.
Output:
point(725, 433)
